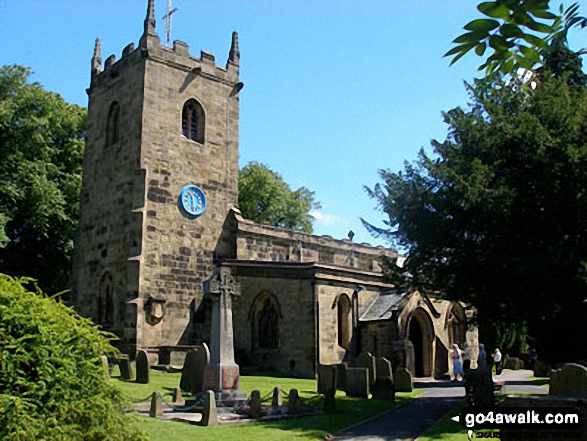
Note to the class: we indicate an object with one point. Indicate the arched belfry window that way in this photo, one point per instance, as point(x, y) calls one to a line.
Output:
point(193, 121)
point(113, 125)
point(265, 322)
point(344, 321)
point(106, 300)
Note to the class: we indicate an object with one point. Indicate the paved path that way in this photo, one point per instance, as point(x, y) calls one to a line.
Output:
point(410, 420)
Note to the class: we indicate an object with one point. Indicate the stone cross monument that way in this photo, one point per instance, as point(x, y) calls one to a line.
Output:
point(222, 374)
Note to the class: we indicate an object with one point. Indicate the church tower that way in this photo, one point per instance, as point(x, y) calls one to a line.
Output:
point(160, 176)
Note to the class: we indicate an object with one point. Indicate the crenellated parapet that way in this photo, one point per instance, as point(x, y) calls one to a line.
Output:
point(178, 57)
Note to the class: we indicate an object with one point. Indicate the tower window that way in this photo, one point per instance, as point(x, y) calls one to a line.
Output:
point(113, 125)
point(193, 121)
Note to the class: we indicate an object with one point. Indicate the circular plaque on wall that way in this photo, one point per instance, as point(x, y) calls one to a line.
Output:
point(192, 201)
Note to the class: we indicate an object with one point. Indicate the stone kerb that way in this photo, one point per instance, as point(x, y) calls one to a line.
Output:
point(569, 381)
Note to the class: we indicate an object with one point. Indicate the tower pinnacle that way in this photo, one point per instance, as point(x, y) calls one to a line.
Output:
point(149, 26)
point(97, 58)
point(234, 54)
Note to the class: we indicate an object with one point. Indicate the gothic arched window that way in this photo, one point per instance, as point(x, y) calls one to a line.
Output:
point(193, 121)
point(265, 322)
point(106, 300)
point(113, 124)
point(344, 321)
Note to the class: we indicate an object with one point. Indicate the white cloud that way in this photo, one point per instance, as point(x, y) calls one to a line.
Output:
point(325, 218)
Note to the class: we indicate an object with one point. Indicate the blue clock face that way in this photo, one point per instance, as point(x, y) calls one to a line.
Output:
point(192, 201)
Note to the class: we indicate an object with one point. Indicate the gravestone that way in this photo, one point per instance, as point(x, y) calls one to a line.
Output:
point(294, 406)
point(177, 397)
point(541, 369)
point(357, 382)
point(209, 412)
point(403, 380)
point(126, 372)
point(192, 374)
point(156, 409)
point(514, 363)
point(255, 404)
point(105, 365)
point(479, 384)
point(277, 399)
point(341, 376)
point(569, 381)
point(222, 373)
point(367, 360)
point(143, 368)
point(329, 400)
point(383, 367)
point(326, 377)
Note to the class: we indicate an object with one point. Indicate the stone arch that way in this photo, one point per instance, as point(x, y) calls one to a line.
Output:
point(420, 335)
point(193, 121)
point(113, 124)
point(264, 315)
point(344, 321)
point(106, 300)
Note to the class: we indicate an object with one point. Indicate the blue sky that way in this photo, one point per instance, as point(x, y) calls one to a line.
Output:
point(334, 89)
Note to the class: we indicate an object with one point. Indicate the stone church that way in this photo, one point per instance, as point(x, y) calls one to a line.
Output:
point(159, 212)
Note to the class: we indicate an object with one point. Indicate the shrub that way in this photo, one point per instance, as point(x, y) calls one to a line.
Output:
point(52, 383)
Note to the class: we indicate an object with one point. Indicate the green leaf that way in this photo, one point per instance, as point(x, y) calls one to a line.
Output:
point(470, 37)
point(482, 25)
point(539, 27)
point(480, 49)
point(497, 42)
point(510, 30)
point(463, 50)
point(494, 10)
point(545, 15)
point(535, 41)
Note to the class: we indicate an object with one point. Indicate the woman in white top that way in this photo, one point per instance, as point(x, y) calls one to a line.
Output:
point(497, 361)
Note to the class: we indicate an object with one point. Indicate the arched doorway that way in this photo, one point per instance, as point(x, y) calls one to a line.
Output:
point(420, 335)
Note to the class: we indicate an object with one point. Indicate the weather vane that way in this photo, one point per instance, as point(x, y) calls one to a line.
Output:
point(167, 18)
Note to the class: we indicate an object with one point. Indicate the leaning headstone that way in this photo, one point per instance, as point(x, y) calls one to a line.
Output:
point(277, 399)
point(341, 376)
point(192, 374)
point(383, 389)
point(357, 382)
point(156, 409)
point(383, 367)
point(126, 372)
point(294, 406)
point(403, 380)
point(177, 397)
point(366, 360)
point(105, 365)
point(143, 368)
point(326, 377)
point(541, 369)
point(514, 363)
point(255, 404)
point(329, 401)
point(569, 381)
point(209, 412)
point(480, 384)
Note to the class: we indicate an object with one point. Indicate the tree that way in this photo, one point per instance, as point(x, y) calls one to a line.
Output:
point(52, 385)
point(266, 199)
point(41, 149)
point(519, 34)
point(497, 215)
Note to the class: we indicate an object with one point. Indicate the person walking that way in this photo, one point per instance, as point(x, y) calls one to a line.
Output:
point(497, 361)
point(457, 363)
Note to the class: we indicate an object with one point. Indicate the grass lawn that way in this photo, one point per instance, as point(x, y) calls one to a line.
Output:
point(350, 411)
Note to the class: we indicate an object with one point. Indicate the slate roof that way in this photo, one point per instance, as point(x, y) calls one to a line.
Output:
point(383, 306)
